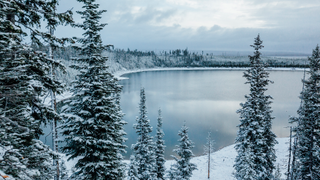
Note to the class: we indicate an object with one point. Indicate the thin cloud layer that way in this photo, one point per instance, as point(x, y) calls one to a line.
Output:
point(286, 25)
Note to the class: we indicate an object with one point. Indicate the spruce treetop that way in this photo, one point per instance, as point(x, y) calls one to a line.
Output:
point(159, 149)
point(143, 159)
point(255, 140)
point(314, 60)
point(257, 45)
point(183, 167)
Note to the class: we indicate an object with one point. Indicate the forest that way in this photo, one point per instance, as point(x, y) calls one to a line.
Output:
point(91, 121)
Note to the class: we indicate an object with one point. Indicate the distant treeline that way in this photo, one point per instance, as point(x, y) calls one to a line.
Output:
point(186, 58)
point(121, 59)
point(132, 59)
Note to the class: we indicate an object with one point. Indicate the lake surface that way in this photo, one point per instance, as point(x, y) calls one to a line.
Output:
point(206, 100)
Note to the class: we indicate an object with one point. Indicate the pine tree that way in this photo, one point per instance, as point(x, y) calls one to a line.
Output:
point(172, 172)
point(31, 162)
point(160, 161)
point(133, 171)
point(308, 124)
point(255, 140)
point(24, 79)
point(182, 169)
point(294, 164)
point(93, 126)
point(143, 151)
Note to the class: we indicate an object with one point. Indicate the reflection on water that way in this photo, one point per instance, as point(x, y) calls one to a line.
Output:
point(207, 100)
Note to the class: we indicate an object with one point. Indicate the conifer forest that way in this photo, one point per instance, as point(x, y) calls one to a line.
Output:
point(87, 128)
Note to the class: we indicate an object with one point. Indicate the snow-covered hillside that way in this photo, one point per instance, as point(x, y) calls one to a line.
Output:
point(223, 160)
point(222, 166)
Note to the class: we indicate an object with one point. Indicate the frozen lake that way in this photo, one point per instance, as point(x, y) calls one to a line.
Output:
point(207, 100)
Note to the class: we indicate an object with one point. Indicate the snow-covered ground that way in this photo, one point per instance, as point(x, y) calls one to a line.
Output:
point(222, 167)
point(223, 160)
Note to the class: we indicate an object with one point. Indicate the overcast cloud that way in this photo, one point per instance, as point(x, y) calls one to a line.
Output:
point(217, 25)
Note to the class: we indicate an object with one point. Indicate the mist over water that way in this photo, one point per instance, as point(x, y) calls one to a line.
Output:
point(206, 100)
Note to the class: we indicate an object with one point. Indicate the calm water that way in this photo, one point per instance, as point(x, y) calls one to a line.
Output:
point(207, 100)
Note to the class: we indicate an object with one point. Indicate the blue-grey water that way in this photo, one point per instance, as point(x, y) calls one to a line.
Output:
point(206, 100)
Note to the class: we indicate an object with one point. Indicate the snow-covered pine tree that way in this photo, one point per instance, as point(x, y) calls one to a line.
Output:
point(133, 171)
point(160, 147)
point(93, 126)
point(308, 124)
point(143, 155)
point(255, 140)
point(172, 173)
point(208, 149)
point(24, 79)
point(182, 169)
point(294, 164)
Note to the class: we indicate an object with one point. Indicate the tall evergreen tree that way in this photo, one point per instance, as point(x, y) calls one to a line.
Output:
point(255, 140)
point(159, 152)
point(93, 127)
point(182, 169)
point(24, 79)
point(142, 165)
point(308, 124)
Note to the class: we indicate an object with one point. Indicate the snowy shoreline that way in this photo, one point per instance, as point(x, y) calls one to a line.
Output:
point(222, 167)
point(119, 74)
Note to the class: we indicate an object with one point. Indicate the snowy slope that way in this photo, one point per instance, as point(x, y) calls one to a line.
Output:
point(223, 160)
point(222, 167)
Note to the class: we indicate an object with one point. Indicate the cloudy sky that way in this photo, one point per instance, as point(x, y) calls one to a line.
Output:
point(209, 25)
